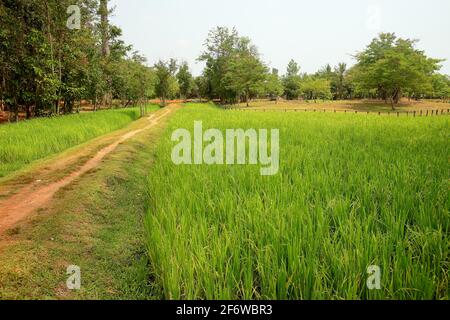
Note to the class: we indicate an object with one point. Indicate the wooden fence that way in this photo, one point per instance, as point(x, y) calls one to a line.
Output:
point(416, 113)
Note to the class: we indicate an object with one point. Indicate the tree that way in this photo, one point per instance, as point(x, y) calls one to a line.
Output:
point(133, 82)
point(293, 69)
point(166, 85)
point(273, 85)
point(202, 87)
point(246, 73)
point(393, 66)
point(441, 87)
point(340, 72)
point(316, 88)
point(220, 46)
point(292, 80)
point(185, 80)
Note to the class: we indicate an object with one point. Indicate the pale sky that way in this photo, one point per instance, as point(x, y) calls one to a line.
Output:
point(313, 32)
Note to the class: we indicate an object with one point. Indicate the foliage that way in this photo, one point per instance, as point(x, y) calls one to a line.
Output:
point(292, 81)
point(185, 80)
point(313, 89)
point(393, 66)
point(166, 84)
point(47, 67)
point(273, 85)
point(233, 67)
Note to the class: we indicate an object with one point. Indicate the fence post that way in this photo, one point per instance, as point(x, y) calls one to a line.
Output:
point(398, 114)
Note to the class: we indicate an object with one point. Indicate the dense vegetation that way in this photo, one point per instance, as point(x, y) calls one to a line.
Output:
point(352, 191)
point(49, 64)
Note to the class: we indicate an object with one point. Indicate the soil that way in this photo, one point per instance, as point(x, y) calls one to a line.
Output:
point(36, 195)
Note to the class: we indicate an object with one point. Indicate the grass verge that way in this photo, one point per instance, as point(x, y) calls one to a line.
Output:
point(25, 142)
point(95, 223)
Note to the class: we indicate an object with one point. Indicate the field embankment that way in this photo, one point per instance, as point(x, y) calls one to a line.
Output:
point(371, 106)
point(94, 222)
point(352, 191)
point(25, 142)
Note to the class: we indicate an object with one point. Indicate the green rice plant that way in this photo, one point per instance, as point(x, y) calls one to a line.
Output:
point(352, 191)
point(28, 141)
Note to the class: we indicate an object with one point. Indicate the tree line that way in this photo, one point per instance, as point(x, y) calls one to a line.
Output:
point(389, 68)
point(48, 68)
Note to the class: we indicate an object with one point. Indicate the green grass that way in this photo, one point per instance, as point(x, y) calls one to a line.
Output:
point(352, 191)
point(26, 142)
point(95, 223)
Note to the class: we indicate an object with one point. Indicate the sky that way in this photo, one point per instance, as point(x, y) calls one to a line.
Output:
point(313, 32)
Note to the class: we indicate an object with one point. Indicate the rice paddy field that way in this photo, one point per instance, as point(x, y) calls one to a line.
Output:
point(352, 191)
point(28, 141)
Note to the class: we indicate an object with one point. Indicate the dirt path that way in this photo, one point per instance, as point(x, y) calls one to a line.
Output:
point(34, 196)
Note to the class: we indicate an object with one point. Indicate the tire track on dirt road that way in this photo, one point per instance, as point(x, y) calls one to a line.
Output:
point(34, 196)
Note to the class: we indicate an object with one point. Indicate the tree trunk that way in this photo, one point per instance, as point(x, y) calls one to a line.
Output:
point(106, 51)
point(393, 104)
point(28, 112)
point(57, 107)
point(52, 50)
point(2, 90)
point(95, 103)
point(104, 28)
point(16, 111)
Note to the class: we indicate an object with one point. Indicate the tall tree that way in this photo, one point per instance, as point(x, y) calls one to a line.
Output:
point(106, 51)
point(104, 27)
point(393, 66)
point(185, 80)
point(246, 72)
point(220, 46)
point(273, 85)
point(292, 80)
point(166, 84)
